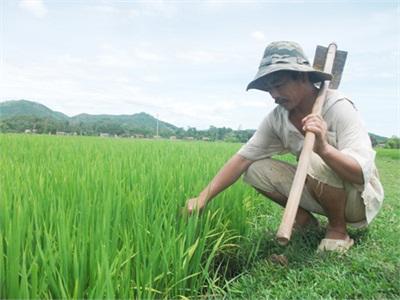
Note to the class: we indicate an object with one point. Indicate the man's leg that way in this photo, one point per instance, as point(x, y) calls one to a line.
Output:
point(339, 205)
point(273, 179)
point(303, 217)
point(333, 202)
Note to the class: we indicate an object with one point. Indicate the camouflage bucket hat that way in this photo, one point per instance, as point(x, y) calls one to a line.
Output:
point(284, 56)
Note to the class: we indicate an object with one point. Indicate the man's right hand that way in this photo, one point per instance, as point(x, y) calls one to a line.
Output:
point(228, 174)
point(194, 204)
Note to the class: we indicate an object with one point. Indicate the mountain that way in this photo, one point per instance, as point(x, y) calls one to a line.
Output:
point(377, 139)
point(19, 115)
point(139, 120)
point(18, 108)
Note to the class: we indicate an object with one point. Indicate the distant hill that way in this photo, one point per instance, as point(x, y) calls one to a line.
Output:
point(19, 115)
point(17, 108)
point(377, 139)
point(138, 120)
point(22, 115)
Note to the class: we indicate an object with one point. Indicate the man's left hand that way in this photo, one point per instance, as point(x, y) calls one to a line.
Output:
point(315, 123)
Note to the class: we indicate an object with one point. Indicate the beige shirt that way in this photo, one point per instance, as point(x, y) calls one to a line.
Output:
point(346, 132)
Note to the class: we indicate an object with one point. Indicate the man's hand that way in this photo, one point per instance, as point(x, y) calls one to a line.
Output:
point(344, 165)
point(315, 124)
point(194, 204)
point(226, 176)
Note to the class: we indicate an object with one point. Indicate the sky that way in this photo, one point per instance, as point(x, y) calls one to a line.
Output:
point(189, 62)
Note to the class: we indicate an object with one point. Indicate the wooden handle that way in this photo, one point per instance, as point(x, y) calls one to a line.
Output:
point(289, 215)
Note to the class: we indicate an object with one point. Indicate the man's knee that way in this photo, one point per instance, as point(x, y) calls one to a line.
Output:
point(270, 175)
point(322, 173)
point(330, 197)
point(254, 172)
point(322, 190)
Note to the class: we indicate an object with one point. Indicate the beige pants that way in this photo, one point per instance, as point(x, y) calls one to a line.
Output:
point(272, 175)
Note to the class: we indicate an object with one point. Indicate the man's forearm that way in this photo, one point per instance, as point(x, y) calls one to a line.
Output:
point(228, 174)
point(345, 166)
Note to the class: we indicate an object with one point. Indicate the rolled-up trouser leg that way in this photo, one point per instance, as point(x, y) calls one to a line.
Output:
point(355, 208)
point(272, 175)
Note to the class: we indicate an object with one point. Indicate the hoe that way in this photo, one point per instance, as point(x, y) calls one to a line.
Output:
point(329, 60)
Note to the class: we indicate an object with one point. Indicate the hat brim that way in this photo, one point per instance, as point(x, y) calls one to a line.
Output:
point(259, 82)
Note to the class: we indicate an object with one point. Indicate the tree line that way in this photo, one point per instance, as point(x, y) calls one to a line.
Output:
point(42, 125)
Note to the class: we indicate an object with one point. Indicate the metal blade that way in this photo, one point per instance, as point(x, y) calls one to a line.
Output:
point(338, 64)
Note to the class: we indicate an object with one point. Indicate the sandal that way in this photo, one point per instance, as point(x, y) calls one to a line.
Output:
point(335, 245)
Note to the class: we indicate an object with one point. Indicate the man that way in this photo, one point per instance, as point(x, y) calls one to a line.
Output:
point(342, 181)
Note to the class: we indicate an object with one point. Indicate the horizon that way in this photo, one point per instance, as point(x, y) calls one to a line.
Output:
point(143, 112)
point(116, 115)
point(189, 63)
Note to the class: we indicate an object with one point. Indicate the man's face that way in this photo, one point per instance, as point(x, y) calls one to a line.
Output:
point(285, 90)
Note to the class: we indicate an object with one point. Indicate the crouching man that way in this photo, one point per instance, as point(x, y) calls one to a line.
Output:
point(342, 181)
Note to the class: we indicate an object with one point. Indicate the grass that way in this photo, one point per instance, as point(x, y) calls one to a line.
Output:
point(100, 218)
point(371, 270)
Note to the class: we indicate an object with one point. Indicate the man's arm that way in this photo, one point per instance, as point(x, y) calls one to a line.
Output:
point(226, 176)
point(344, 165)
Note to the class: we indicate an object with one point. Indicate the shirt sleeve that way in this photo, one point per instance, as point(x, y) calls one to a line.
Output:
point(352, 136)
point(264, 143)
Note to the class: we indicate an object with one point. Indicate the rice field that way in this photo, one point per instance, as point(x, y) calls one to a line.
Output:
point(87, 217)
point(84, 217)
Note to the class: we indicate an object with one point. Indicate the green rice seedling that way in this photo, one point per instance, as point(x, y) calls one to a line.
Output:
point(84, 217)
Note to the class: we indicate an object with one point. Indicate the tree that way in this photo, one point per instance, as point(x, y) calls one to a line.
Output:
point(393, 143)
point(231, 137)
point(192, 131)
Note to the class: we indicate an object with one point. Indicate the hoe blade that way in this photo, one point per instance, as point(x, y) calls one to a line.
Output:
point(338, 64)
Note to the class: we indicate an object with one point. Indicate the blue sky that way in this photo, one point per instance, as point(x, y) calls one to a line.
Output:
point(189, 62)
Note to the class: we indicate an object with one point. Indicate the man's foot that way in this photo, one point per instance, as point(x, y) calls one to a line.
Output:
point(336, 233)
point(336, 239)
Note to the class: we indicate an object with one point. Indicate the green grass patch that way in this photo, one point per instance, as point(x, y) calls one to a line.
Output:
point(370, 270)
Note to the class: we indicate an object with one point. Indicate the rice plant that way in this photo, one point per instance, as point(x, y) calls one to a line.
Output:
point(85, 217)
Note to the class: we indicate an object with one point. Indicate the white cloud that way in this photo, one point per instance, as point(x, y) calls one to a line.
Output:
point(201, 56)
point(158, 8)
point(132, 13)
point(135, 9)
point(112, 61)
point(215, 4)
point(113, 10)
point(112, 58)
point(258, 36)
point(108, 9)
point(147, 55)
point(151, 79)
point(36, 7)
